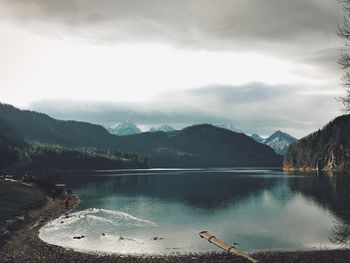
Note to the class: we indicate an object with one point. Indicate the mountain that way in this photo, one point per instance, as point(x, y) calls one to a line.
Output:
point(200, 146)
point(9, 150)
point(280, 142)
point(326, 149)
point(124, 128)
point(33, 126)
point(196, 146)
point(164, 128)
point(257, 137)
point(228, 127)
point(31, 140)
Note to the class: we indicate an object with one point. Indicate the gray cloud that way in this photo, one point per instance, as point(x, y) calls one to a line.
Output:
point(295, 30)
point(254, 107)
point(202, 23)
point(249, 93)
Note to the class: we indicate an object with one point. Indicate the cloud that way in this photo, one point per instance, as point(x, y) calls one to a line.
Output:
point(296, 30)
point(200, 23)
point(254, 107)
point(302, 33)
point(249, 93)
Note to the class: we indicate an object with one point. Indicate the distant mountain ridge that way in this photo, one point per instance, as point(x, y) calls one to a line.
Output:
point(124, 128)
point(257, 137)
point(201, 145)
point(327, 149)
point(279, 141)
point(230, 127)
point(164, 128)
point(31, 140)
point(33, 126)
point(195, 146)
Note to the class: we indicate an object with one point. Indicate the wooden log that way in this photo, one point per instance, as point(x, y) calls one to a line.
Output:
point(229, 248)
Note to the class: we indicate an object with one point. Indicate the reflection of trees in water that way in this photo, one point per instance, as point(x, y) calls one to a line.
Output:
point(340, 233)
point(198, 189)
point(331, 192)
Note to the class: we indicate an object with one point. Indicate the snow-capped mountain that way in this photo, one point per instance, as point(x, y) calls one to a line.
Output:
point(164, 128)
point(280, 141)
point(228, 127)
point(123, 128)
point(257, 137)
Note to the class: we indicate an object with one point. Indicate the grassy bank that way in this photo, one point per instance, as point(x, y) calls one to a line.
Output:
point(17, 197)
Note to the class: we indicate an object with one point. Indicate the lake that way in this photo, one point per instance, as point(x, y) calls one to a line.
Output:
point(161, 211)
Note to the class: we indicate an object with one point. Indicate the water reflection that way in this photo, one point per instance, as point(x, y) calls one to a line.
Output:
point(331, 191)
point(258, 209)
point(203, 189)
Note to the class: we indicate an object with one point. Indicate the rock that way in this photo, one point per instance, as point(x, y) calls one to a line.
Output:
point(78, 237)
point(5, 234)
point(20, 218)
point(13, 223)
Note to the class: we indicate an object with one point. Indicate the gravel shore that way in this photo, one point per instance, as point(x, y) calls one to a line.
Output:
point(24, 245)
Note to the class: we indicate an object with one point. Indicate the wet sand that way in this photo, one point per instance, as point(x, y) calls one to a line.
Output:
point(24, 245)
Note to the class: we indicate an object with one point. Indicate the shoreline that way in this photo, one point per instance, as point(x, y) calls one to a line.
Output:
point(24, 245)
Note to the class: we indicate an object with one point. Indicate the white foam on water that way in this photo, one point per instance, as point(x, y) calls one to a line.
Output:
point(126, 215)
point(102, 230)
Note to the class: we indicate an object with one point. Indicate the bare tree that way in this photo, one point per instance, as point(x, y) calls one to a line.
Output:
point(344, 59)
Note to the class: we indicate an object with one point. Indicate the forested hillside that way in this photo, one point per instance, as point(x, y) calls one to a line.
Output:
point(200, 146)
point(34, 126)
point(196, 146)
point(327, 149)
point(32, 141)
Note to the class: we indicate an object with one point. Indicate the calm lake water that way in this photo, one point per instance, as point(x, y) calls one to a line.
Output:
point(162, 211)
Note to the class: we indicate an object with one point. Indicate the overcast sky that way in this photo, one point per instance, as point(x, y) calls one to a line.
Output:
point(260, 65)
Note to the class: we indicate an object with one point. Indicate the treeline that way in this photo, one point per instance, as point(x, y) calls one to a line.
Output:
point(325, 149)
point(58, 157)
point(201, 145)
point(16, 155)
point(34, 126)
point(195, 146)
point(57, 144)
point(10, 151)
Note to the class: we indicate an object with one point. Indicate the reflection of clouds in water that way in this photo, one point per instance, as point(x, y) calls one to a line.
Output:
point(259, 210)
point(266, 198)
point(233, 187)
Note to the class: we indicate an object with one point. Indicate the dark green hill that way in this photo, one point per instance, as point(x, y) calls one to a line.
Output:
point(195, 146)
point(34, 126)
point(200, 146)
point(9, 150)
point(327, 149)
point(21, 130)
